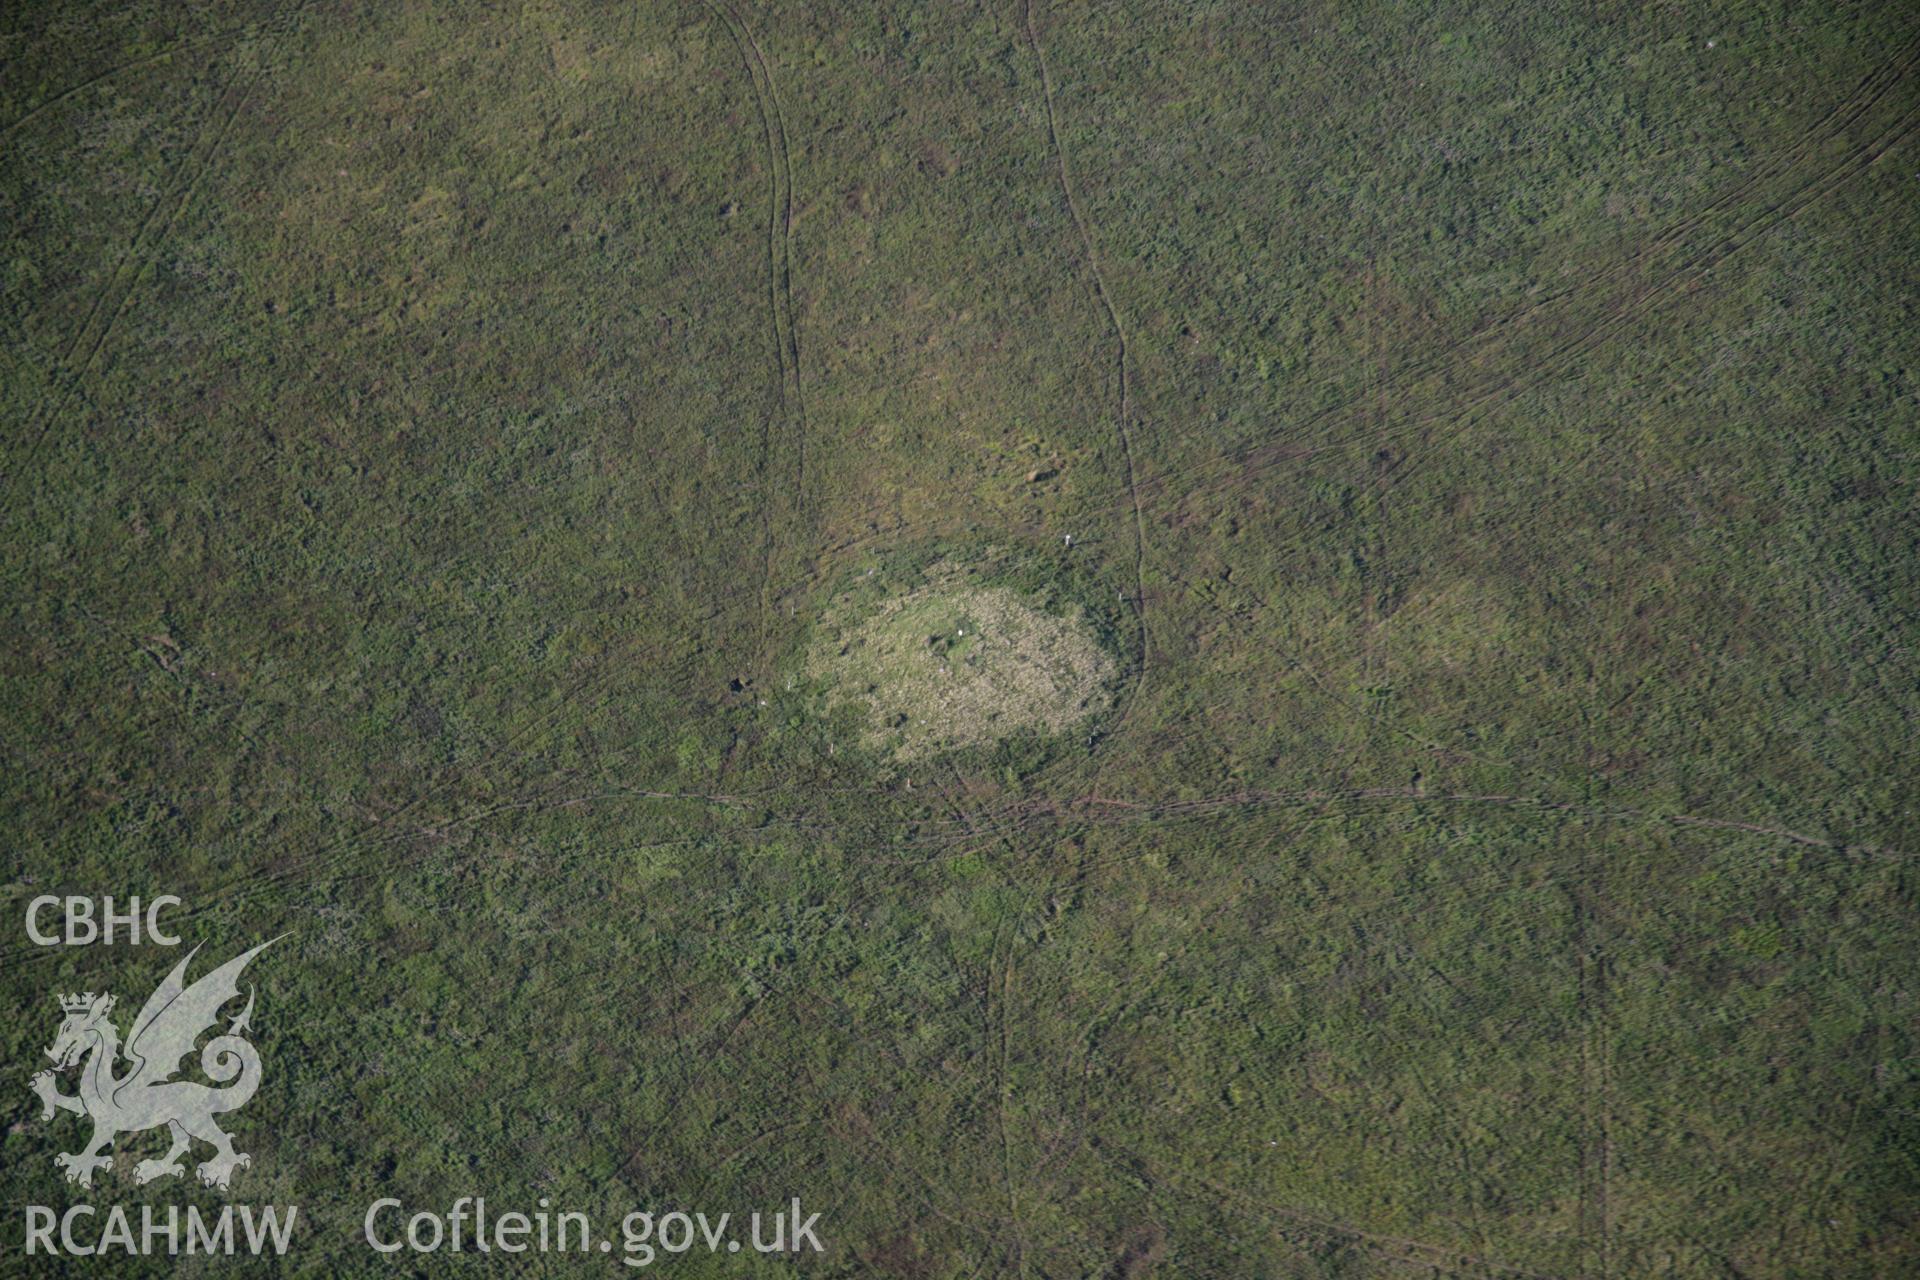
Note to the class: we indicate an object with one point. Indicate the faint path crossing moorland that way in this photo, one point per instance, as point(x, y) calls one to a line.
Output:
point(1459, 380)
point(786, 340)
point(57, 97)
point(1122, 370)
point(86, 347)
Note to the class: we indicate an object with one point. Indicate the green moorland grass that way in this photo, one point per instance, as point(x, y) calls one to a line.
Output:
point(433, 434)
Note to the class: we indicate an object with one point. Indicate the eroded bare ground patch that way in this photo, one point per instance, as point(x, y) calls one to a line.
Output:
point(957, 662)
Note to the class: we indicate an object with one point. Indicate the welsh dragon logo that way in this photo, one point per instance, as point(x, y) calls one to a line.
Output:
point(144, 1095)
